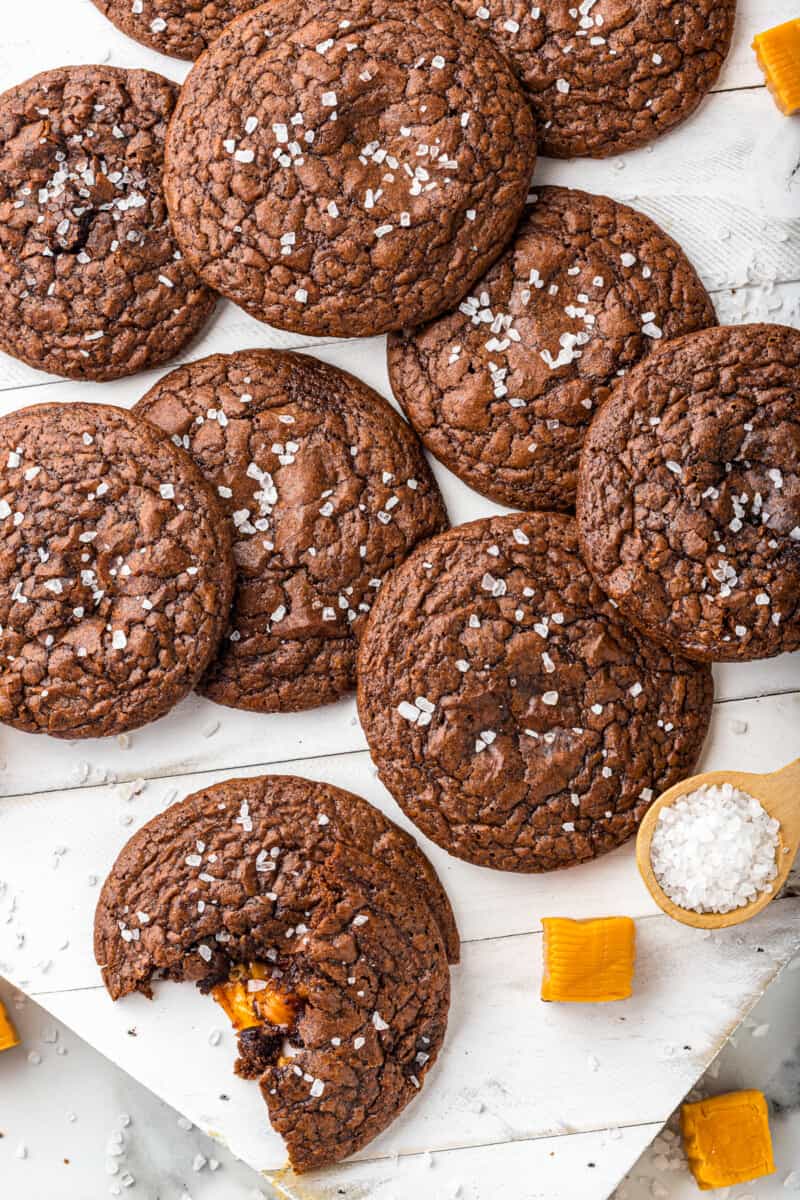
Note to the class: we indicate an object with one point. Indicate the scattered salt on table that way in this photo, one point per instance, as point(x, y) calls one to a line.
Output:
point(714, 849)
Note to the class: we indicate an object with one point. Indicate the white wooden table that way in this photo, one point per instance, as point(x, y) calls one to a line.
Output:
point(526, 1096)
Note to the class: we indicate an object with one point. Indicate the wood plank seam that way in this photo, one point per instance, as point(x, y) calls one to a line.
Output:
point(180, 361)
point(740, 87)
point(538, 1137)
point(756, 696)
point(473, 941)
point(278, 762)
point(52, 380)
point(170, 776)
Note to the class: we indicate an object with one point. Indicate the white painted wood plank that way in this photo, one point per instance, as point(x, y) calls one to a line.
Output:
point(195, 735)
point(723, 184)
point(201, 736)
point(88, 826)
point(74, 1077)
point(546, 1169)
point(736, 681)
point(765, 301)
point(514, 1067)
point(752, 16)
point(91, 825)
point(228, 329)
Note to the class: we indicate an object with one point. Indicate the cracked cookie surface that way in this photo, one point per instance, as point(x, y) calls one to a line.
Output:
point(327, 489)
point(605, 76)
point(689, 494)
point(338, 905)
point(509, 711)
point(92, 284)
point(116, 571)
point(183, 28)
point(503, 389)
point(344, 169)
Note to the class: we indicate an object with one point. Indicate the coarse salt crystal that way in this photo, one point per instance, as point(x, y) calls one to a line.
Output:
point(714, 849)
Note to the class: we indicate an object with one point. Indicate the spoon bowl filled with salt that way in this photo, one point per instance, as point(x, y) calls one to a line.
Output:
point(715, 849)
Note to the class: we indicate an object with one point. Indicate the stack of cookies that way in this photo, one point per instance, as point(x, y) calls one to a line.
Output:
point(267, 529)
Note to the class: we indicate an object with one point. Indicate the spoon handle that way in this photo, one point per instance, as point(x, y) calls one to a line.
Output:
point(789, 775)
point(785, 799)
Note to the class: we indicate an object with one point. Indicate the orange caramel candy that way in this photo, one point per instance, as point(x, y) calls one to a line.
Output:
point(588, 962)
point(727, 1139)
point(249, 999)
point(778, 54)
point(8, 1034)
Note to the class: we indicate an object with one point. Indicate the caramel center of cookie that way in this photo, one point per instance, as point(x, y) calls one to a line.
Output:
point(264, 1015)
point(250, 998)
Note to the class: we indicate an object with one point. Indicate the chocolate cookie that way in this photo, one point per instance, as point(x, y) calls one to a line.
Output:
point(689, 494)
point(502, 390)
point(116, 571)
point(183, 28)
point(509, 711)
point(305, 819)
point(327, 489)
point(310, 917)
point(92, 284)
point(608, 75)
point(343, 168)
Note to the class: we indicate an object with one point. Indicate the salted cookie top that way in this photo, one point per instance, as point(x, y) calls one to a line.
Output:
point(502, 389)
point(286, 823)
point(689, 494)
point(116, 571)
point(509, 711)
point(93, 284)
point(608, 75)
point(305, 910)
point(183, 28)
point(327, 489)
point(347, 168)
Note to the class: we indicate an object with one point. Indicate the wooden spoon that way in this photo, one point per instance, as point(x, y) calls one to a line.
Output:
point(778, 792)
